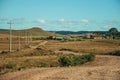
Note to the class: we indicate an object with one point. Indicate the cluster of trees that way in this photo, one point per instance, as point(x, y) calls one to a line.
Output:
point(114, 33)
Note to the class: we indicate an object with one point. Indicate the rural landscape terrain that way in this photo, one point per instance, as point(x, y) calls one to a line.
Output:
point(59, 39)
point(41, 55)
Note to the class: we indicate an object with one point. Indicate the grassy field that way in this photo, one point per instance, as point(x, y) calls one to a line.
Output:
point(46, 56)
point(86, 46)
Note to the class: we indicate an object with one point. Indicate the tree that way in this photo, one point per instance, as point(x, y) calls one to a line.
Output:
point(118, 34)
point(113, 32)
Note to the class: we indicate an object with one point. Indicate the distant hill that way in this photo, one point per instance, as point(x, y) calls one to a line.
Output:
point(3, 29)
point(33, 31)
point(36, 30)
point(77, 32)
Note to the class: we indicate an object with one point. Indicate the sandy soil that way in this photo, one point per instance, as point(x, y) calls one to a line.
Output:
point(103, 68)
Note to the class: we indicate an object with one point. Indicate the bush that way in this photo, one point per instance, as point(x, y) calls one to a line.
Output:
point(71, 60)
point(84, 58)
point(10, 65)
point(44, 65)
point(66, 49)
point(4, 52)
point(115, 53)
point(65, 61)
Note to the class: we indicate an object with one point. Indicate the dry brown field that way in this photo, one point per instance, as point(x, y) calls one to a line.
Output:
point(29, 62)
point(86, 46)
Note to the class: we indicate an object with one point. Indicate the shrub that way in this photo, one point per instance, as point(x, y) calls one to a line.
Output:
point(4, 52)
point(26, 46)
point(115, 53)
point(44, 65)
point(90, 57)
point(10, 65)
point(71, 60)
point(66, 49)
point(84, 58)
point(65, 61)
point(21, 68)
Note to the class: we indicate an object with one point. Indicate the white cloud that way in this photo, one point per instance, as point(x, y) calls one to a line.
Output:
point(112, 21)
point(61, 20)
point(42, 21)
point(84, 21)
point(107, 26)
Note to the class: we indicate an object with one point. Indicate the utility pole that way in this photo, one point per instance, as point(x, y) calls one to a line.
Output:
point(10, 36)
point(19, 41)
point(30, 37)
point(10, 31)
point(26, 37)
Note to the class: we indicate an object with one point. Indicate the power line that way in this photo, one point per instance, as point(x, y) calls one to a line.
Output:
point(10, 31)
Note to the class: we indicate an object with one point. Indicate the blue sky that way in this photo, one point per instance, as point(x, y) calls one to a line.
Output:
point(70, 15)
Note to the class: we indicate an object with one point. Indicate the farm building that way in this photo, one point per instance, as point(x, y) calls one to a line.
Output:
point(97, 36)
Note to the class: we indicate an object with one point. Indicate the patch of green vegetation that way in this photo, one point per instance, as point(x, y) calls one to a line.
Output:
point(73, 60)
point(26, 46)
point(10, 65)
point(84, 58)
point(114, 53)
point(66, 49)
point(39, 35)
point(65, 61)
point(44, 65)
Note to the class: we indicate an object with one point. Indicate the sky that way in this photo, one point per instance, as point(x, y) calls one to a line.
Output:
point(56, 15)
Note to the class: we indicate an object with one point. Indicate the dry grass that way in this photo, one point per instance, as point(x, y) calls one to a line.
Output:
point(27, 62)
point(87, 46)
point(106, 69)
point(103, 68)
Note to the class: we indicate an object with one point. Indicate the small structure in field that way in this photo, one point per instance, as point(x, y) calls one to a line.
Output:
point(97, 36)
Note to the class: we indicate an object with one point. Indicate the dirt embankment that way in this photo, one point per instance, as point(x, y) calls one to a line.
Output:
point(103, 68)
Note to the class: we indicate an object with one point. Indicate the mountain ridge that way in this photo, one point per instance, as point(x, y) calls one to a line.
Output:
point(77, 32)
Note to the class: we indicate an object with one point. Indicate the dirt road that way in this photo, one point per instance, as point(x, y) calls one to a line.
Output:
point(103, 68)
point(40, 44)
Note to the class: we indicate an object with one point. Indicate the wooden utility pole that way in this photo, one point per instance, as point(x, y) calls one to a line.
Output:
point(26, 37)
point(30, 37)
point(10, 31)
point(10, 36)
point(19, 41)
